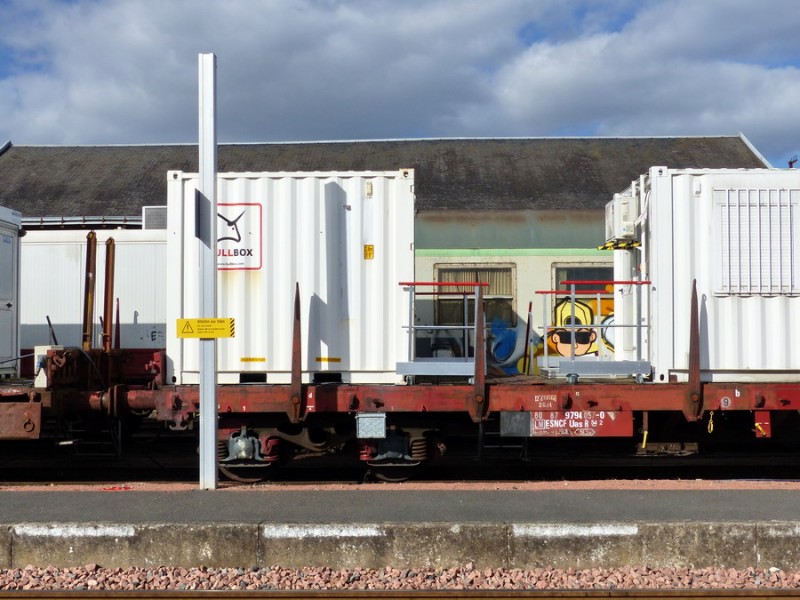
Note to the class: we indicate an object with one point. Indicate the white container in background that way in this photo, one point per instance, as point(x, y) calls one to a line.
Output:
point(54, 266)
point(9, 291)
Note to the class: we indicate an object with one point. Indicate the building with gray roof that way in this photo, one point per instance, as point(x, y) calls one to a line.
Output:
point(497, 193)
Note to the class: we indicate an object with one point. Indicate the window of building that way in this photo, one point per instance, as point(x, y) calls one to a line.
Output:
point(498, 296)
point(582, 273)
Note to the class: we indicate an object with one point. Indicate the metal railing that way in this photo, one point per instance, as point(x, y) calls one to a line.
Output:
point(443, 366)
point(575, 366)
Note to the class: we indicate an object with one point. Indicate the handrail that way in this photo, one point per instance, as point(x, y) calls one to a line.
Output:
point(577, 292)
point(464, 293)
point(446, 283)
point(573, 292)
point(604, 282)
point(411, 287)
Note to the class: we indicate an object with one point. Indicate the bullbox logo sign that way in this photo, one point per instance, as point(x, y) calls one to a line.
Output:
point(238, 236)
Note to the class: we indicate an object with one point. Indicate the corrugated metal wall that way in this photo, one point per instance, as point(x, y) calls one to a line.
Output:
point(9, 291)
point(346, 238)
point(53, 267)
point(736, 232)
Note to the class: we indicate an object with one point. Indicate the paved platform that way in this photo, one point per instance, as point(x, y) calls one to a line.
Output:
point(377, 526)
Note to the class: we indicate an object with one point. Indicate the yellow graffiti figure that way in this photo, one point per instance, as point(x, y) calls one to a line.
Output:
point(562, 337)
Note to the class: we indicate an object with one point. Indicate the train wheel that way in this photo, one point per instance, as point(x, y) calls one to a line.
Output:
point(392, 472)
point(242, 472)
point(245, 473)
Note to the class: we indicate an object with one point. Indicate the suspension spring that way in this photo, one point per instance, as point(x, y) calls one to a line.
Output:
point(419, 449)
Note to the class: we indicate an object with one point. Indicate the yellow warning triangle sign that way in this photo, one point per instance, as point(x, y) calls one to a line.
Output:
point(205, 328)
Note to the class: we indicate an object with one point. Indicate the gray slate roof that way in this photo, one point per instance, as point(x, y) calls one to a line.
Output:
point(451, 174)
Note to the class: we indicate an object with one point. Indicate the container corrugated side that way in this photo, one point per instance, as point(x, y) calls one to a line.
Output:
point(345, 237)
point(9, 291)
point(53, 286)
point(737, 232)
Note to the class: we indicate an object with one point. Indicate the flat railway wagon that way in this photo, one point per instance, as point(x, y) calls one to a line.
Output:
point(337, 349)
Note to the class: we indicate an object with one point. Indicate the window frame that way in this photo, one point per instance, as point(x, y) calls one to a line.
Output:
point(511, 267)
point(556, 280)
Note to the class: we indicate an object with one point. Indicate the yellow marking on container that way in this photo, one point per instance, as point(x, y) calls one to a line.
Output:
point(369, 251)
point(205, 328)
point(253, 359)
point(328, 359)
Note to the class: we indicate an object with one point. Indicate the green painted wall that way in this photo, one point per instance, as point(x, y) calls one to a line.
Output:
point(530, 229)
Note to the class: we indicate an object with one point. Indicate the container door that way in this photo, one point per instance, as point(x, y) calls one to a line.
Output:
point(8, 308)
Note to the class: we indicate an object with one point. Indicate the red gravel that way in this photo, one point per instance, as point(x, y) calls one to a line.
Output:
point(93, 577)
point(605, 484)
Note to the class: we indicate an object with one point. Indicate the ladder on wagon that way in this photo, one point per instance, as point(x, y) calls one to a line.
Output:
point(588, 342)
point(451, 349)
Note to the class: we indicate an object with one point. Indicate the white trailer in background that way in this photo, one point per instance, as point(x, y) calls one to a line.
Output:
point(54, 264)
point(10, 221)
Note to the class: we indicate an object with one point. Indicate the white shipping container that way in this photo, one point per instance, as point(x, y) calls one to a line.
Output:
point(9, 291)
point(54, 264)
point(737, 232)
point(346, 238)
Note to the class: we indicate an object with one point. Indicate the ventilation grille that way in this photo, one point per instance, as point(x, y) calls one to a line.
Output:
point(154, 217)
point(758, 235)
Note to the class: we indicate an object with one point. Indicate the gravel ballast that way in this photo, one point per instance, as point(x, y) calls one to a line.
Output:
point(467, 577)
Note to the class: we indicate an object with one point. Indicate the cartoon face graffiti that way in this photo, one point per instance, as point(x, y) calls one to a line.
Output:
point(584, 340)
point(572, 323)
point(593, 328)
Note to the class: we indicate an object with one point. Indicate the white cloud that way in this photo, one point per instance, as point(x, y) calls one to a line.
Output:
point(671, 70)
point(125, 71)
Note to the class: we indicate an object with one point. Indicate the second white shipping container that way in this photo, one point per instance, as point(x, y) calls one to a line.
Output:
point(736, 232)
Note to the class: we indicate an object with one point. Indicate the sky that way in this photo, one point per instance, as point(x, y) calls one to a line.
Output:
point(85, 72)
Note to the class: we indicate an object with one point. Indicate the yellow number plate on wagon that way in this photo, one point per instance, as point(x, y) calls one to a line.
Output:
point(206, 328)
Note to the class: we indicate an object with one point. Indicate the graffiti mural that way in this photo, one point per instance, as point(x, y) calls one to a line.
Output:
point(506, 346)
point(581, 328)
point(591, 325)
point(592, 328)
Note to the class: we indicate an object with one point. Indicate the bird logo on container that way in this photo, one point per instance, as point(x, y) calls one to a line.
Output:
point(233, 228)
point(238, 236)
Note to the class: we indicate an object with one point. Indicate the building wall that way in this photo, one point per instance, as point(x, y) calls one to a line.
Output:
point(530, 229)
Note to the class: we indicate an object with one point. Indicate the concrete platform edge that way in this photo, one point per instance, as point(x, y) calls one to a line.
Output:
point(402, 545)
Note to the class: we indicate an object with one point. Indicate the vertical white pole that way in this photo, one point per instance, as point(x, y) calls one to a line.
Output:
point(207, 243)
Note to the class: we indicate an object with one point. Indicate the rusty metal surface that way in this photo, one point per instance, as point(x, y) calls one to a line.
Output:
point(478, 407)
point(20, 420)
point(89, 289)
point(693, 407)
point(296, 409)
point(176, 403)
point(108, 295)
